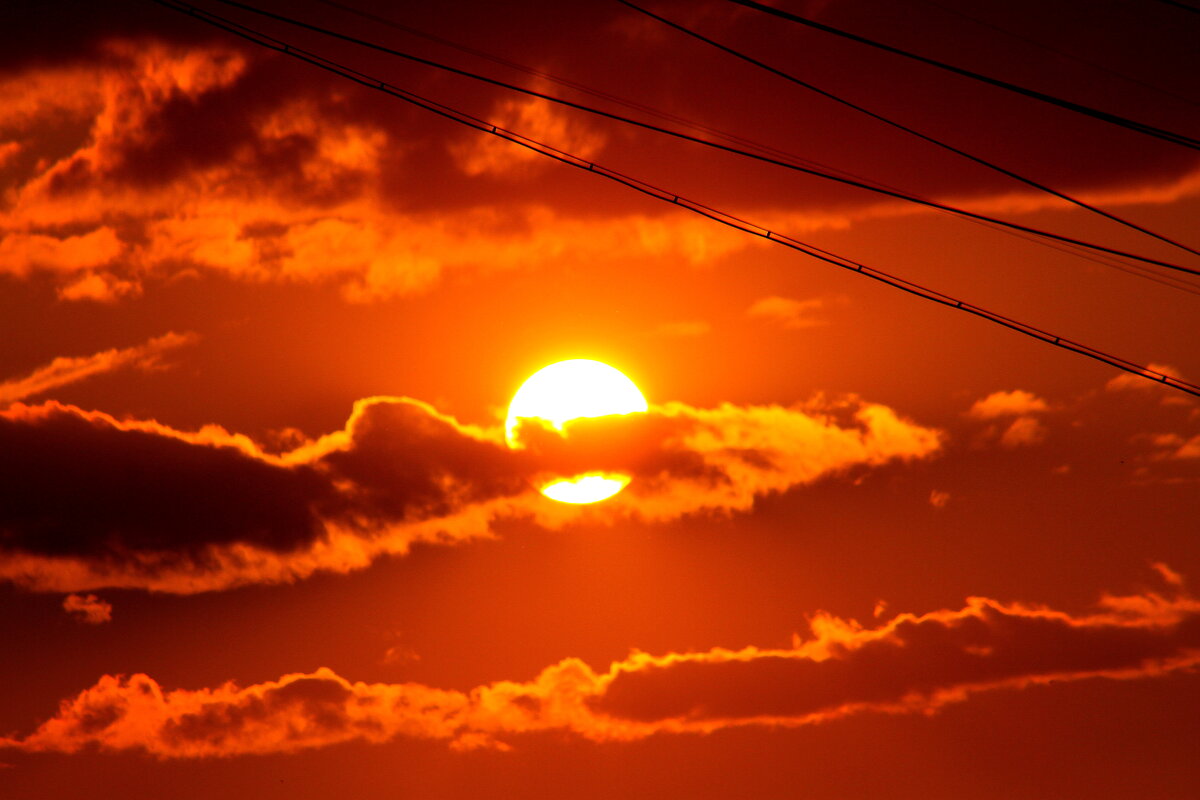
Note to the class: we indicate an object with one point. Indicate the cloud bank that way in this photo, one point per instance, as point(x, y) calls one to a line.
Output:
point(92, 501)
point(912, 663)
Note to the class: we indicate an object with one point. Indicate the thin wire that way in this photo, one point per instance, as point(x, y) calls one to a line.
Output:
point(1114, 119)
point(602, 95)
point(1061, 53)
point(1184, 6)
point(666, 196)
point(1135, 269)
point(696, 140)
point(911, 131)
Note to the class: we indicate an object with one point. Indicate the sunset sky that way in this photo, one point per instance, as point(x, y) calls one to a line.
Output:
point(261, 535)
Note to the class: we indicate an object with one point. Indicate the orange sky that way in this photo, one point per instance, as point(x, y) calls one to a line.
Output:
point(261, 536)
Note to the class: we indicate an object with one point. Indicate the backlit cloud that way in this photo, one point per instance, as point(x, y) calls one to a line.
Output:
point(912, 663)
point(63, 371)
point(1128, 381)
point(534, 119)
point(97, 501)
point(88, 608)
point(1005, 404)
point(788, 313)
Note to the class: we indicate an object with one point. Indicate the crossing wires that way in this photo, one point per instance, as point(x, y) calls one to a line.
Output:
point(1113, 119)
point(667, 196)
point(767, 159)
point(911, 131)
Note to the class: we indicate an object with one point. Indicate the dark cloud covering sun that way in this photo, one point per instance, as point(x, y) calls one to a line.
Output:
point(545, 399)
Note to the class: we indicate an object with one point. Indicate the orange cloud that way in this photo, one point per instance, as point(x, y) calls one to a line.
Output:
point(1004, 404)
point(64, 371)
point(191, 157)
point(532, 118)
point(789, 313)
point(1126, 381)
point(912, 663)
point(20, 253)
point(101, 502)
point(88, 608)
point(1023, 431)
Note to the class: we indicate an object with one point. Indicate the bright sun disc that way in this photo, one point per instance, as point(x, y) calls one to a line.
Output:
point(570, 390)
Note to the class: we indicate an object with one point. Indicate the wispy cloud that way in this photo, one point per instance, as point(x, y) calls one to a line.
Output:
point(63, 371)
point(789, 313)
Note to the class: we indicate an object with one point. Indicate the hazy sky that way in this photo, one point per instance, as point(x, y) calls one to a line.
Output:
point(260, 532)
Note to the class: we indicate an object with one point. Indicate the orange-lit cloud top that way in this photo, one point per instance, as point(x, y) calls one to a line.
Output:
point(913, 663)
point(101, 502)
point(64, 371)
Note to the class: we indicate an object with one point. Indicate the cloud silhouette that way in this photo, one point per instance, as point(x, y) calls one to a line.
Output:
point(92, 501)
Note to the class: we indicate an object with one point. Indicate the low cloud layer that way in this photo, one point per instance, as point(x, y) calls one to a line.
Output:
point(92, 501)
point(912, 663)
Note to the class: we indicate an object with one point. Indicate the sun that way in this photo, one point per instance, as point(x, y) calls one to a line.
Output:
point(569, 390)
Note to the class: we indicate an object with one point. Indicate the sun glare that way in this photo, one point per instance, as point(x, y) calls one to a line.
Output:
point(569, 390)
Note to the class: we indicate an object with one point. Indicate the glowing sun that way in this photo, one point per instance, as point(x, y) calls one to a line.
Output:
point(569, 390)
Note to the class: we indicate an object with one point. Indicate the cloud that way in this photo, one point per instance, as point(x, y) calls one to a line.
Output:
point(63, 371)
point(912, 663)
point(1026, 429)
point(1128, 381)
point(100, 502)
point(21, 253)
point(789, 313)
point(88, 609)
point(1171, 446)
point(8, 151)
point(534, 119)
point(1005, 404)
point(183, 151)
point(100, 288)
point(1022, 432)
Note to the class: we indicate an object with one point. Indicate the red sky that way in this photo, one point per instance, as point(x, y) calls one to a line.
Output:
point(260, 535)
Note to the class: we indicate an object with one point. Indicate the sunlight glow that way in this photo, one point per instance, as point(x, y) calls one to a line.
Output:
point(570, 390)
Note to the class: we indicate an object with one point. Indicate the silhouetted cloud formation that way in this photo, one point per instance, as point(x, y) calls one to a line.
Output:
point(94, 501)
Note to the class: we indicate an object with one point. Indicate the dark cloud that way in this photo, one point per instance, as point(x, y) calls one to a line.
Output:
point(913, 662)
point(94, 501)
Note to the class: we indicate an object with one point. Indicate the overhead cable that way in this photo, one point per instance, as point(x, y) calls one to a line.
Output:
point(695, 139)
point(667, 196)
point(911, 131)
point(1114, 119)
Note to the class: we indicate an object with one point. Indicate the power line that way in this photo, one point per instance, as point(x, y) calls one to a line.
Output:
point(1114, 119)
point(599, 94)
point(1061, 53)
point(1178, 4)
point(1130, 268)
point(900, 126)
point(697, 140)
point(666, 196)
